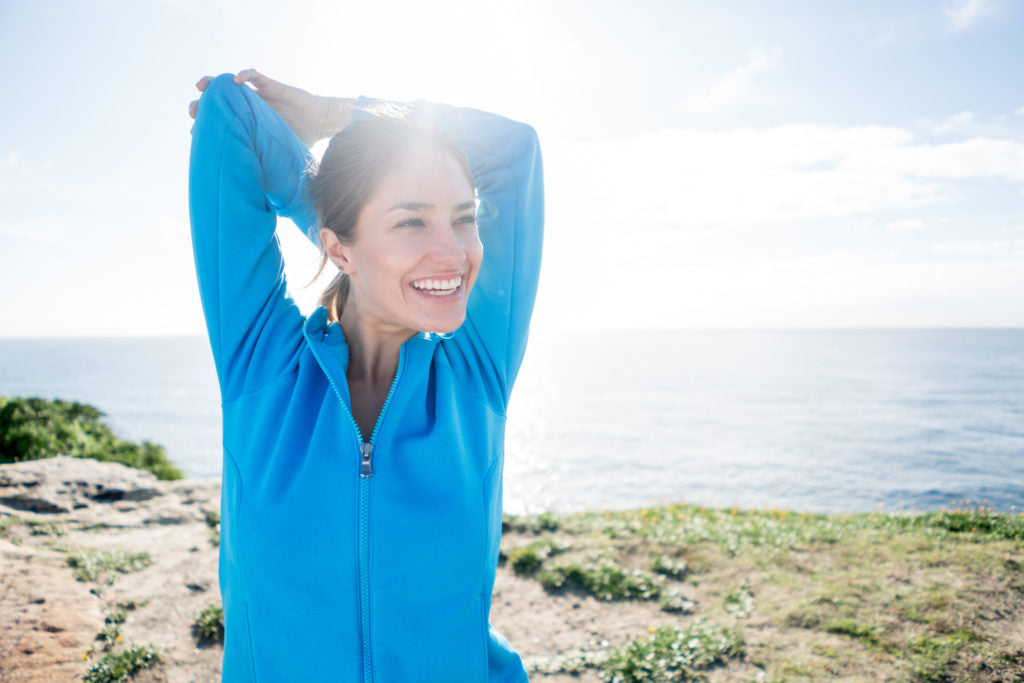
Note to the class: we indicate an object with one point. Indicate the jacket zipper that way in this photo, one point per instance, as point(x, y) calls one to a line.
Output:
point(365, 475)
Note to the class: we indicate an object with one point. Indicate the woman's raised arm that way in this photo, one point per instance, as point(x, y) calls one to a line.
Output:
point(506, 162)
point(246, 168)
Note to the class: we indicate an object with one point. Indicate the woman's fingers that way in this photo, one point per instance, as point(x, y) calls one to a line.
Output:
point(203, 82)
point(192, 106)
point(254, 77)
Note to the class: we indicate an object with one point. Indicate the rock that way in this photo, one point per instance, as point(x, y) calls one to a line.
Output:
point(63, 484)
point(46, 620)
point(49, 621)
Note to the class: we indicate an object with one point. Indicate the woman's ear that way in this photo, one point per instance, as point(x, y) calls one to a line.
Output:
point(337, 252)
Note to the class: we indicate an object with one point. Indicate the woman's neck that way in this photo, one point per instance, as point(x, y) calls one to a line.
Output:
point(373, 348)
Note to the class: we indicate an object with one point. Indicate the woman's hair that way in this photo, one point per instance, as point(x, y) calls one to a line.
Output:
point(356, 161)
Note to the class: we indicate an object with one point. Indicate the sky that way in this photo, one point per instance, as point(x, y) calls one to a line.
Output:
point(713, 164)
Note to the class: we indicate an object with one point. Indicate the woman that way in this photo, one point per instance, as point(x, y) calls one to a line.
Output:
point(363, 445)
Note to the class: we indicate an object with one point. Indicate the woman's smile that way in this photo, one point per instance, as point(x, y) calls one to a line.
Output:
point(440, 287)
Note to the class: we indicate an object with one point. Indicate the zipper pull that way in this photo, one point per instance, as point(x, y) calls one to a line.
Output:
point(365, 469)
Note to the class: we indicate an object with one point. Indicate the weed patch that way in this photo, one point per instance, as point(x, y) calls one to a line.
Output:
point(104, 565)
point(116, 667)
point(111, 633)
point(675, 601)
point(669, 566)
point(740, 601)
point(209, 623)
point(528, 559)
point(605, 581)
point(671, 654)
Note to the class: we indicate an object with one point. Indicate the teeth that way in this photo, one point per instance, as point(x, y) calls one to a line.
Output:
point(440, 285)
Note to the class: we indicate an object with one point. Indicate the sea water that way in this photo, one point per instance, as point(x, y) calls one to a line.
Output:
point(823, 420)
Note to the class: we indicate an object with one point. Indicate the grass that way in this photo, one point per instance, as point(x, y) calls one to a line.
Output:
point(9, 522)
point(103, 566)
point(934, 596)
point(116, 667)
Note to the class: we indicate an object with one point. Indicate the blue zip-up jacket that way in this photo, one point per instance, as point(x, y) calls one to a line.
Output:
point(344, 561)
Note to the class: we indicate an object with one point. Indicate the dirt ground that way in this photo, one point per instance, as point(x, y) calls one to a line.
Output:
point(50, 622)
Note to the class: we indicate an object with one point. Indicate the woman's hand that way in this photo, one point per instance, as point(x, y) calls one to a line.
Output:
point(309, 116)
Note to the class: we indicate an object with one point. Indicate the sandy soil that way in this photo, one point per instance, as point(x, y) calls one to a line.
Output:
point(49, 621)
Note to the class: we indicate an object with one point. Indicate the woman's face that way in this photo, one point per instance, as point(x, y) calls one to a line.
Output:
point(416, 251)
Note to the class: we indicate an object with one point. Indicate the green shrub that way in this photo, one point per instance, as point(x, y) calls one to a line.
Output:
point(529, 558)
point(209, 623)
point(671, 654)
point(525, 560)
point(116, 667)
point(36, 428)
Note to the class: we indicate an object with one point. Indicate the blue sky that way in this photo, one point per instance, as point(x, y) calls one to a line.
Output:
point(709, 164)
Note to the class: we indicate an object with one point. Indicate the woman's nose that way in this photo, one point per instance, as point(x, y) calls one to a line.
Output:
point(447, 247)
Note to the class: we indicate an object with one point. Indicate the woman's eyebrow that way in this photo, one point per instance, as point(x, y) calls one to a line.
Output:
point(422, 206)
point(411, 206)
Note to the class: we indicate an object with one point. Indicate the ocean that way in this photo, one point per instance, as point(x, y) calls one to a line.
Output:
point(818, 420)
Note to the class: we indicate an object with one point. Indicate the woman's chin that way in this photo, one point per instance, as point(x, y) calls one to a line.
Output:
point(445, 326)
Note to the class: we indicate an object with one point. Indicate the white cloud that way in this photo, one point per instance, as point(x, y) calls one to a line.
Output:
point(695, 179)
point(962, 14)
point(953, 123)
point(906, 224)
point(981, 247)
point(732, 88)
point(1019, 111)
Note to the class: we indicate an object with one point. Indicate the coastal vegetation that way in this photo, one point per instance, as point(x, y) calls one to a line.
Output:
point(33, 428)
point(789, 596)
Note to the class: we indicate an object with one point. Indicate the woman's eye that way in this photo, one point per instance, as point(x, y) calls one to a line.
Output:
point(469, 218)
point(411, 223)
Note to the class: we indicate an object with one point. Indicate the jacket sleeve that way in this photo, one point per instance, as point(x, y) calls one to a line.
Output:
point(246, 168)
point(506, 162)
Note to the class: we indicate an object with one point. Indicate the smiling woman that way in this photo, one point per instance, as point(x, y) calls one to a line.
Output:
point(363, 452)
point(399, 213)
